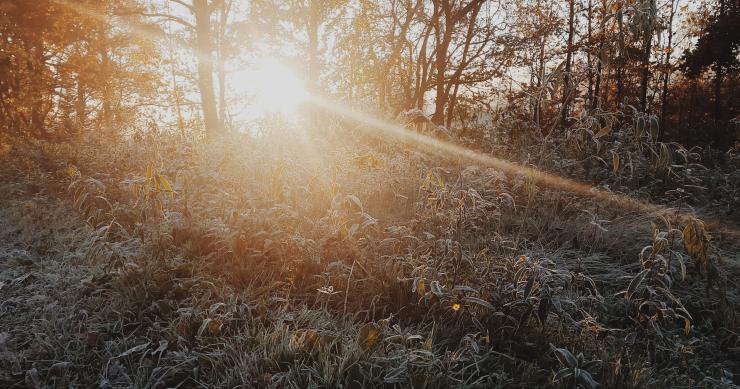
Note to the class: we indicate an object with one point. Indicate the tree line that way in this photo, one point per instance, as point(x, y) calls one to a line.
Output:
point(70, 65)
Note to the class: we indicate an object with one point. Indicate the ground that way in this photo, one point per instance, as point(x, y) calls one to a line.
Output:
point(468, 279)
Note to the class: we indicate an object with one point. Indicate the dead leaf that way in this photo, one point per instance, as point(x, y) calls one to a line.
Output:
point(695, 241)
point(368, 336)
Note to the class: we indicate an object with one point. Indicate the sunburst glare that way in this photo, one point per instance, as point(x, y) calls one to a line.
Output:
point(274, 87)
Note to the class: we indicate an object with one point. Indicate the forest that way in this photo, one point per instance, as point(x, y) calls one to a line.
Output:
point(369, 193)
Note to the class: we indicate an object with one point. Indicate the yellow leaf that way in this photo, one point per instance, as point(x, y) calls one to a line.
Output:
point(421, 288)
point(602, 132)
point(166, 185)
point(428, 344)
point(306, 341)
point(440, 181)
point(522, 259)
point(343, 233)
point(695, 241)
point(214, 327)
point(149, 172)
point(71, 171)
point(368, 336)
point(369, 161)
point(456, 307)
point(686, 326)
point(615, 162)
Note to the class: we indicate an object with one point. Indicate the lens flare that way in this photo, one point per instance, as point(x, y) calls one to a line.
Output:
point(276, 88)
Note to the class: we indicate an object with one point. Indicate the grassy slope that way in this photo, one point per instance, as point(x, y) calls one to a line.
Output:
point(254, 274)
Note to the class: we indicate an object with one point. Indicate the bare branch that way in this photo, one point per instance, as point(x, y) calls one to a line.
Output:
point(169, 17)
point(184, 4)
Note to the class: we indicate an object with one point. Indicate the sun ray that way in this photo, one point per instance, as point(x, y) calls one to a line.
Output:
point(388, 130)
point(299, 95)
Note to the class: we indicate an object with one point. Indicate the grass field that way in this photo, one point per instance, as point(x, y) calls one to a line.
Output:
point(314, 260)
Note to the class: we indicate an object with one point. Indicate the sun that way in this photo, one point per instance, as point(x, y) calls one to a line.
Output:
point(274, 87)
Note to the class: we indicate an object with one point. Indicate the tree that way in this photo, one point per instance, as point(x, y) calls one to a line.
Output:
point(445, 18)
point(201, 12)
point(717, 49)
point(398, 42)
point(59, 62)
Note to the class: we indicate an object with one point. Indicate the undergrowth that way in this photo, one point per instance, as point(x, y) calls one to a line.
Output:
point(307, 260)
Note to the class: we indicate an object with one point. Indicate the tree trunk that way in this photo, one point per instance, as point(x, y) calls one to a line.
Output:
point(589, 63)
point(312, 28)
point(397, 47)
point(80, 105)
point(409, 84)
point(106, 94)
point(37, 94)
point(647, 42)
point(423, 68)
point(204, 47)
point(456, 77)
point(596, 103)
point(178, 102)
point(440, 60)
point(564, 110)
point(667, 64)
point(540, 79)
point(620, 63)
point(718, 74)
point(222, 21)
